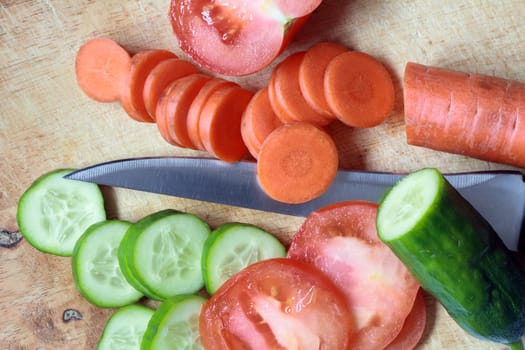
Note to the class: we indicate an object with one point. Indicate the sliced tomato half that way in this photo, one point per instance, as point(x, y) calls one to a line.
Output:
point(276, 304)
point(236, 37)
point(341, 240)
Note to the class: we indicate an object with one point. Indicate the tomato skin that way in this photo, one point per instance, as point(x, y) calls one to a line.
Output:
point(233, 38)
point(341, 240)
point(276, 304)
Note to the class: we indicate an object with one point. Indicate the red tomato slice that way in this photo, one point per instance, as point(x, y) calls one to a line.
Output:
point(235, 37)
point(276, 304)
point(341, 240)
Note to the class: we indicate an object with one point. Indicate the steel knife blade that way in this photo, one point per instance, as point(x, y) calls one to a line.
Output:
point(499, 196)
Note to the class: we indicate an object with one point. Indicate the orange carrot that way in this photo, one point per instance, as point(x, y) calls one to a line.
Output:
point(132, 92)
point(161, 113)
point(258, 121)
point(289, 102)
point(160, 77)
point(359, 89)
point(100, 67)
point(279, 110)
point(469, 114)
point(220, 123)
point(311, 74)
point(194, 112)
point(178, 103)
point(413, 328)
point(297, 163)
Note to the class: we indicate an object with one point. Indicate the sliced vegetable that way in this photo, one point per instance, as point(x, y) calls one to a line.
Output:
point(311, 74)
point(470, 114)
point(160, 77)
point(132, 89)
point(297, 163)
point(220, 123)
point(101, 65)
point(359, 89)
point(276, 304)
point(258, 121)
point(287, 99)
point(54, 212)
point(96, 269)
point(125, 328)
point(163, 252)
point(455, 254)
point(341, 240)
point(236, 37)
point(161, 113)
point(175, 324)
point(233, 246)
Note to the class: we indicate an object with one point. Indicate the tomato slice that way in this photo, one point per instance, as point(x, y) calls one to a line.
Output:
point(276, 304)
point(341, 240)
point(236, 37)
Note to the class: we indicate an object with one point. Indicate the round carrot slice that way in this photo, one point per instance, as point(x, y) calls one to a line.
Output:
point(297, 163)
point(198, 103)
point(258, 121)
point(311, 74)
point(160, 77)
point(279, 111)
point(161, 115)
point(178, 103)
point(413, 328)
point(359, 89)
point(220, 123)
point(101, 65)
point(287, 91)
point(132, 92)
point(341, 240)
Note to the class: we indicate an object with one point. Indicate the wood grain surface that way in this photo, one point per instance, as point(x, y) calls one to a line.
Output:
point(46, 122)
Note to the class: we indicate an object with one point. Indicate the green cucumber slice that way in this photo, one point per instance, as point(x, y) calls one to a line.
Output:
point(54, 212)
point(175, 322)
point(233, 246)
point(96, 269)
point(455, 255)
point(125, 329)
point(164, 251)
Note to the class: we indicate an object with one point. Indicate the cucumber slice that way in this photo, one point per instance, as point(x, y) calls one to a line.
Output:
point(96, 270)
point(233, 246)
point(125, 329)
point(455, 255)
point(54, 212)
point(163, 251)
point(176, 321)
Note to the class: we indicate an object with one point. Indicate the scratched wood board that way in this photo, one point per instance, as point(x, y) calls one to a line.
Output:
point(46, 123)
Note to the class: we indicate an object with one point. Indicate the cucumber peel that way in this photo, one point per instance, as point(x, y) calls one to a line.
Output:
point(455, 255)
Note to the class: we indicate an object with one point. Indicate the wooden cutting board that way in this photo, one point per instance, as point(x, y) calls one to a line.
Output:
point(46, 123)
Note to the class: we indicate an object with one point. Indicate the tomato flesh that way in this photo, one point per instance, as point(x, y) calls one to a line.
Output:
point(341, 240)
point(276, 304)
point(234, 37)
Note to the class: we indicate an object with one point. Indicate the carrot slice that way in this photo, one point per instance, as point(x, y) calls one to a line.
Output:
point(413, 328)
point(194, 113)
point(258, 121)
point(101, 65)
point(311, 73)
point(290, 103)
point(279, 111)
point(469, 114)
point(341, 240)
point(161, 116)
point(359, 89)
point(297, 163)
point(132, 92)
point(160, 77)
point(220, 123)
point(178, 103)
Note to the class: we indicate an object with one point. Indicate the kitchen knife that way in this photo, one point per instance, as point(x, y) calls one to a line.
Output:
point(498, 196)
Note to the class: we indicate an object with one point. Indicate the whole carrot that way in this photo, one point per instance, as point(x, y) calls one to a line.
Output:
point(469, 114)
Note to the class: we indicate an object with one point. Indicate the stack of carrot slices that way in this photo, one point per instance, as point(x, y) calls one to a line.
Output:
point(281, 126)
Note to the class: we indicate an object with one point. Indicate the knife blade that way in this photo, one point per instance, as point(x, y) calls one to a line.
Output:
point(499, 196)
